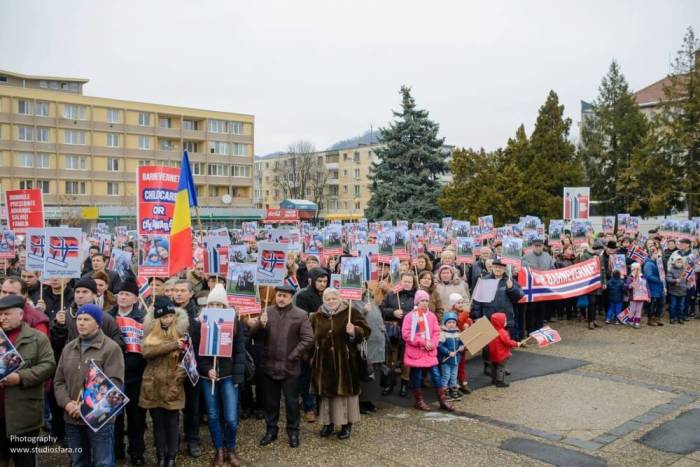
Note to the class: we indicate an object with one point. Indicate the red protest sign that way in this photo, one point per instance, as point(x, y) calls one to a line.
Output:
point(25, 210)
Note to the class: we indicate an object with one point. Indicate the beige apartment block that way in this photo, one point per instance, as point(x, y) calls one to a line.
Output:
point(83, 151)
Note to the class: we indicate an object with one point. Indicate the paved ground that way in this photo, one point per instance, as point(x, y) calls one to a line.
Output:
point(607, 388)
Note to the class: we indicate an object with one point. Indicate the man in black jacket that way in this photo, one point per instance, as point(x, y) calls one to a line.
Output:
point(394, 307)
point(99, 263)
point(310, 300)
point(129, 317)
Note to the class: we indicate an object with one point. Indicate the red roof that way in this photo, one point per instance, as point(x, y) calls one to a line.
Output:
point(654, 93)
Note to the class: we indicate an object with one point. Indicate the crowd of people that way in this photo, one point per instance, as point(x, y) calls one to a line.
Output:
point(330, 358)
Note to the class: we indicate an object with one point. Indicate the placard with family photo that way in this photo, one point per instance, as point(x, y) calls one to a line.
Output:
point(189, 361)
point(100, 398)
point(10, 359)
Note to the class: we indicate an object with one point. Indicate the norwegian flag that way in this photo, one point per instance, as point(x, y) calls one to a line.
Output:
point(625, 316)
point(638, 255)
point(61, 248)
point(36, 244)
point(144, 287)
point(545, 336)
point(272, 259)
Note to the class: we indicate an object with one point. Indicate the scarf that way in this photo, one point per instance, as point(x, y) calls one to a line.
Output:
point(419, 324)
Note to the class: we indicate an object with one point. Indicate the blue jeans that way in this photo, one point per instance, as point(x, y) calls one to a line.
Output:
point(90, 449)
point(614, 309)
point(676, 307)
point(449, 373)
point(417, 377)
point(222, 411)
point(308, 400)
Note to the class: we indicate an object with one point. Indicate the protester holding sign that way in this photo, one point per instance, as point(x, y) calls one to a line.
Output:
point(129, 317)
point(22, 392)
point(87, 446)
point(220, 380)
point(162, 389)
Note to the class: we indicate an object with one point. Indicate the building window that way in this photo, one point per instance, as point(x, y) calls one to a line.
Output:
point(26, 184)
point(166, 145)
point(333, 190)
point(76, 163)
point(144, 119)
point(74, 112)
point(164, 122)
point(357, 205)
point(42, 161)
point(113, 165)
point(144, 142)
point(44, 186)
point(75, 188)
point(332, 204)
point(345, 188)
point(219, 147)
point(356, 158)
point(112, 116)
point(277, 194)
point(190, 125)
point(113, 188)
point(177, 164)
point(112, 140)
point(24, 133)
point(42, 109)
point(53, 85)
point(356, 190)
point(345, 204)
point(213, 191)
point(24, 107)
point(198, 168)
point(345, 172)
point(218, 170)
point(74, 137)
point(143, 162)
point(357, 173)
point(217, 126)
point(43, 84)
point(42, 134)
point(240, 171)
point(25, 160)
point(190, 146)
point(240, 149)
point(235, 127)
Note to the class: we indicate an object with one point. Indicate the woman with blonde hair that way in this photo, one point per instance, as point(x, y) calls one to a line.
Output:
point(162, 390)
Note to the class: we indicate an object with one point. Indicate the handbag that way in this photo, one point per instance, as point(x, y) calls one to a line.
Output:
point(366, 368)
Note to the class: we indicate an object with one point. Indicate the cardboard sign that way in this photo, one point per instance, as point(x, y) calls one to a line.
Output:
point(478, 335)
point(271, 264)
point(7, 244)
point(351, 278)
point(485, 290)
point(216, 332)
point(25, 209)
point(62, 252)
point(100, 398)
point(35, 249)
point(241, 287)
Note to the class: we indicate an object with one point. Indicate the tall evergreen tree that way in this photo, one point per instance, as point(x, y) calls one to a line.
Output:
point(610, 138)
point(681, 119)
point(405, 182)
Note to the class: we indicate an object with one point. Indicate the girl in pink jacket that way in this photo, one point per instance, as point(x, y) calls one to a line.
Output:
point(421, 332)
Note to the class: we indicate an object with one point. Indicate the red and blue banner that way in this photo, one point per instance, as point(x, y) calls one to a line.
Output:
point(557, 284)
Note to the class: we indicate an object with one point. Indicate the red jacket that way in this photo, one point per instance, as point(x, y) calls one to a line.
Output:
point(35, 319)
point(499, 348)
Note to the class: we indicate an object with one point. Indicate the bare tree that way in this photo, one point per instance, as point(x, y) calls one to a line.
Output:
point(301, 173)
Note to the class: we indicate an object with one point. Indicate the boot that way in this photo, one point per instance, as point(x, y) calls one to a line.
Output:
point(499, 380)
point(161, 459)
point(442, 397)
point(345, 431)
point(218, 458)
point(326, 431)
point(231, 457)
point(651, 321)
point(403, 388)
point(657, 320)
point(420, 402)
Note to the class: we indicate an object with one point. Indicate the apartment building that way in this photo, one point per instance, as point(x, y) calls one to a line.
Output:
point(346, 192)
point(83, 151)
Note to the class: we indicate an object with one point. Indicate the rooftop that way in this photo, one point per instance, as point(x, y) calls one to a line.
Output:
point(39, 77)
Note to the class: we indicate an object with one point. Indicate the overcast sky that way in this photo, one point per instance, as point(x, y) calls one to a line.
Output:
point(327, 70)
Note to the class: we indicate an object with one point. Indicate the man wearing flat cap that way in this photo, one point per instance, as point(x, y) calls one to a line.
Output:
point(287, 334)
point(22, 392)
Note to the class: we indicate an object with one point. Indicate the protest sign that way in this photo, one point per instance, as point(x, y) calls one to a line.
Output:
point(512, 251)
point(335, 281)
point(100, 398)
point(399, 248)
point(216, 332)
point(395, 273)
point(632, 226)
point(608, 224)
point(622, 222)
point(556, 284)
point(485, 290)
point(332, 240)
point(351, 278)
point(132, 333)
point(576, 201)
point(35, 249)
point(465, 250)
point(7, 244)
point(385, 240)
point(556, 229)
point(240, 288)
point(25, 209)
point(271, 264)
point(120, 262)
point(237, 254)
point(486, 228)
point(369, 254)
point(10, 359)
point(618, 263)
point(478, 335)
point(250, 230)
point(62, 252)
point(579, 230)
point(189, 362)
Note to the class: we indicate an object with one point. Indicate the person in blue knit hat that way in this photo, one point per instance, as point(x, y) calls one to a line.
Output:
point(449, 354)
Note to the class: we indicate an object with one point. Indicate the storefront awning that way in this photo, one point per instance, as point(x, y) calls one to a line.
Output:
point(339, 216)
point(299, 204)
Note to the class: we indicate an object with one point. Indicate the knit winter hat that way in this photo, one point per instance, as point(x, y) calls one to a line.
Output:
point(93, 310)
point(449, 316)
point(129, 285)
point(217, 295)
point(163, 306)
point(86, 283)
point(454, 298)
point(421, 295)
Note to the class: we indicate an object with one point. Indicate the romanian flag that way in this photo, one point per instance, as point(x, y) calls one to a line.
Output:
point(181, 231)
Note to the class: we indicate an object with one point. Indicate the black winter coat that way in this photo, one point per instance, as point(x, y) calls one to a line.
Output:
point(391, 303)
point(53, 301)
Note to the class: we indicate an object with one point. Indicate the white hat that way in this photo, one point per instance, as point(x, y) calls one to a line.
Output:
point(217, 295)
point(454, 298)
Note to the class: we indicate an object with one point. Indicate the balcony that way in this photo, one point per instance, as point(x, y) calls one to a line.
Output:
point(104, 126)
point(332, 181)
point(194, 134)
point(140, 130)
point(171, 132)
point(74, 124)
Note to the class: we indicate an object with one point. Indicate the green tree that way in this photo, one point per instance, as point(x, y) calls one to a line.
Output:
point(405, 182)
point(610, 139)
point(680, 118)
